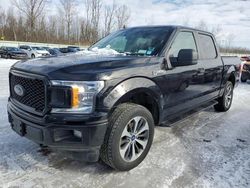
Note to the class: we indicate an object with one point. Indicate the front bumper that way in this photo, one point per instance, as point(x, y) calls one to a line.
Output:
point(57, 131)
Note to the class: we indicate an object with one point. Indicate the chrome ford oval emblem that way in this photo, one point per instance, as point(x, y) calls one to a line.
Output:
point(19, 90)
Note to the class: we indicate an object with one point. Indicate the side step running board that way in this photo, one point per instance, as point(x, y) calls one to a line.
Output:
point(173, 120)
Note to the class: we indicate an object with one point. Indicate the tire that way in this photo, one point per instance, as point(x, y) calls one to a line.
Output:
point(225, 102)
point(122, 150)
point(33, 56)
point(243, 79)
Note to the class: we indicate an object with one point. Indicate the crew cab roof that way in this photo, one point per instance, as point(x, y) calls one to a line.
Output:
point(175, 27)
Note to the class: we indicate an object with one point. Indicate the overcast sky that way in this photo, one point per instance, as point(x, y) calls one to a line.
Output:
point(232, 15)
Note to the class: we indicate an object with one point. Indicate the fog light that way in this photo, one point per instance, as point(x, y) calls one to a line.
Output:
point(77, 134)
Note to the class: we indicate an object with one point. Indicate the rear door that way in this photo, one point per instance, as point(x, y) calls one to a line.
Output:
point(211, 62)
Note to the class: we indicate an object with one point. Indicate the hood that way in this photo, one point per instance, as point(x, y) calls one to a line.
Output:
point(80, 67)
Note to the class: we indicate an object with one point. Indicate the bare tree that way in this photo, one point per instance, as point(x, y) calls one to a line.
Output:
point(109, 21)
point(93, 13)
point(32, 9)
point(202, 25)
point(12, 23)
point(2, 22)
point(66, 25)
point(95, 18)
point(216, 30)
point(122, 16)
point(229, 40)
point(69, 11)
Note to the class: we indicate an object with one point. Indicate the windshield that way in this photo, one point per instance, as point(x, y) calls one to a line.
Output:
point(136, 41)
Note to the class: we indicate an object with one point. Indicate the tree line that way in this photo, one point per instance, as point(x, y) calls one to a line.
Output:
point(80, 22)
point(72, 21)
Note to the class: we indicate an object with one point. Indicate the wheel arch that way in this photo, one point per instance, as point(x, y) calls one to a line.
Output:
point(230, 74)
point(142, 91)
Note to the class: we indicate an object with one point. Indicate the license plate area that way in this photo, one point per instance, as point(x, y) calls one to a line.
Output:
point(19, 127)
point(29, 132)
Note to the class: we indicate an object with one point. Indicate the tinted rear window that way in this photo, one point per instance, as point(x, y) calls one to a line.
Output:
point(208, 50)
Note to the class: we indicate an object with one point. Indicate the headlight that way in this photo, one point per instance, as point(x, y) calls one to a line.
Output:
point(82, 96)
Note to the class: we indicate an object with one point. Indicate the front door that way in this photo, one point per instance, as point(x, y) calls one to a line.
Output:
point(182, 85)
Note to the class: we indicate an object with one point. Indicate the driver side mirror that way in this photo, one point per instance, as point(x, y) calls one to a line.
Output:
point(187, 57)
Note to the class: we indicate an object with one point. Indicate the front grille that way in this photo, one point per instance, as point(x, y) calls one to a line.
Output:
point(34, 92)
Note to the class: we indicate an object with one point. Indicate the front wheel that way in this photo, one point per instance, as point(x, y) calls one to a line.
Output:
point(225, 102)
point(128, 138)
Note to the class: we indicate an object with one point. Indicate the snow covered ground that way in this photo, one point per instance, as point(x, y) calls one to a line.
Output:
point(208, 149)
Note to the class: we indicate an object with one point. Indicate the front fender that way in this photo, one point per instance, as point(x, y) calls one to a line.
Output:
point(131, 86)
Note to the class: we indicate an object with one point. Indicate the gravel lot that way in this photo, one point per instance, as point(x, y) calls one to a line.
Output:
point(208, 149)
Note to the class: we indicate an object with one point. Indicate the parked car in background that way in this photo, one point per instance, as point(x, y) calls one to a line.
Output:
point(41, 51)
point(245, 72)
point(55, 52)
point(245, 58)
point(12, 52)
point(74, 48)
point(68, 50)
point(46, 48)
point(34, 52)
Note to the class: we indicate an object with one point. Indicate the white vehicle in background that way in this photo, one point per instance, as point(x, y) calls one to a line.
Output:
point(34, 51)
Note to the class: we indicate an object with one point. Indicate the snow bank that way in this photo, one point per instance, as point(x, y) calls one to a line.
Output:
point(100, 51)
point(208, 149)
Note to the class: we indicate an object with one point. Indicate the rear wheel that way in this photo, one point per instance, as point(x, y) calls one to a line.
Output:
point(225, 102)
point(243, 79)
point(128, 138)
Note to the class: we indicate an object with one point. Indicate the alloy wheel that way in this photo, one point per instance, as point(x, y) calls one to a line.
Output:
point(134, 139)
point(228, 96)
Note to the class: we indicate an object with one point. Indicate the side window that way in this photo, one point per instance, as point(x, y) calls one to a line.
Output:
point(208, 50)
point(24, 47)
point(184, 40)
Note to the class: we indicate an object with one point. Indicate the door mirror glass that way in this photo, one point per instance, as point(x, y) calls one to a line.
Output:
point(187, 57)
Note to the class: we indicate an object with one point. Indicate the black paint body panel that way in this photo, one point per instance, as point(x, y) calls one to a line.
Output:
point(174, 89)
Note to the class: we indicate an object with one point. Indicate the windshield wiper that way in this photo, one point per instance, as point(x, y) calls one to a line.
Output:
point(134, 54)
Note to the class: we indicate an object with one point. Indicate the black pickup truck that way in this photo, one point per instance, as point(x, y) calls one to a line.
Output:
point(103, 103)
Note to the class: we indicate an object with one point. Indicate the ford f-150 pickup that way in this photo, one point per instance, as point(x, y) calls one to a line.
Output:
point(104, 103)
